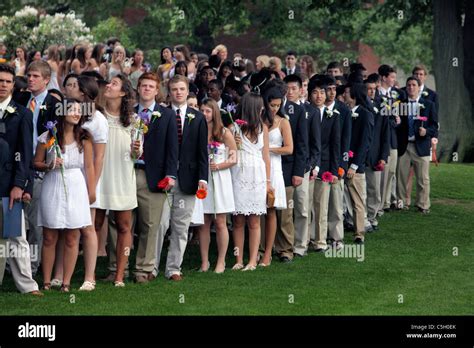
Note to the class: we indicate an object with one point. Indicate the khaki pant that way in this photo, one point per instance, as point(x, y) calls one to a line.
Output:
point(374, 198)
point(357, 192)
point(301, 216)
point(321, 203)
point(422, 174)
point(150, 207)
point(335, 211)
point(389, 177)
point(285, 236)
point(35, 233)
point(312, 213)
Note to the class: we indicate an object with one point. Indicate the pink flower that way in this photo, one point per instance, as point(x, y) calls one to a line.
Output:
point(241, 122)
point(326, 177)
point(351, 154)
point(214, 144)
point(423, 118)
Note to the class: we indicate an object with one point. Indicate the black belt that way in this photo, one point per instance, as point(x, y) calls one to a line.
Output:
point(139, 166)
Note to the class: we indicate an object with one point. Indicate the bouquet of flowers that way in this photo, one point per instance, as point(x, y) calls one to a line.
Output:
point(140, 127)
point(53, 145)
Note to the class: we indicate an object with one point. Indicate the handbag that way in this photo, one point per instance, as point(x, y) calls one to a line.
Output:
point(270, 199)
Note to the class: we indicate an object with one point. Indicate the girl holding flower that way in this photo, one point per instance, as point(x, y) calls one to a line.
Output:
point(64, 152)
point(220, 197)
point(250, 178)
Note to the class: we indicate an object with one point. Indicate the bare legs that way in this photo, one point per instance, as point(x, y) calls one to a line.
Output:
point(270, 232)
point(254, 237)
point(222, 237)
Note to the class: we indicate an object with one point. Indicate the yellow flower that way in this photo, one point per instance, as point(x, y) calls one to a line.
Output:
point(145, 129)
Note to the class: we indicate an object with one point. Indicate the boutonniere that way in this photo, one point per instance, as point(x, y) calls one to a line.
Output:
point(376, 110)
point(329, 113)
point(424, 93)
point(42, 107)
point(422, 106)
point(190, 117)
point(394, 94)
point(306, 115)
point(10, 109)
point(355, 114)
point(155, 115)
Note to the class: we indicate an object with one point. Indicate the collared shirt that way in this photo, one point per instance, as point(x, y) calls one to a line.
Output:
point(383, 91)
point(39, 101)
point(422, 87)
point(291, 70)
point(321, 110)
point(4, 105)
point(219, 104)
point(149, 112)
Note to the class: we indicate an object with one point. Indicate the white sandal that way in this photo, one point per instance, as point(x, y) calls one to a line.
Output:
point(118, 284)
point(87, 286)
point(56, 283)
point(249, 268)
point(237, 267)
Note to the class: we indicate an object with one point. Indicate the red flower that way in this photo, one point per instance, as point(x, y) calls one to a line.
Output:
point(163, 183)
point(379, 167)
point(326, 177)
point(201, 194)
point(351, 154)
point(241, 122)
point(423, 118)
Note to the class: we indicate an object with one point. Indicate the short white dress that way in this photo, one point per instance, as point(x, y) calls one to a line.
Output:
point(276, 172)
point(118, 189)
point(64, 204)
point(220, 196)
point(249, 179)
point(98, 127)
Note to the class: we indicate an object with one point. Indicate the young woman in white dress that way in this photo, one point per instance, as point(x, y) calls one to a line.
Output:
point(118, 189)
point(250, 178)
point(280, 143)
point(65, 193)
point(220, 196)
point(97, 126)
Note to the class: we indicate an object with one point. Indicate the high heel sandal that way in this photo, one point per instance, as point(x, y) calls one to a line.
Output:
point(56, 283)
point(223, 270)
point(47, 286)
point(205, 270)
point(261, 264)
point(65, 288)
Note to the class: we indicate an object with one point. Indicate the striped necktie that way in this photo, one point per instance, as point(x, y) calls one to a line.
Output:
point(32, 105)
point(180, 125)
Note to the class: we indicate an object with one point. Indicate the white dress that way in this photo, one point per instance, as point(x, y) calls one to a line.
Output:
point(276, 173)
point(118, 189)
point(220, 196)
point(98, 127)
point(249, 179)
point(57, 209)
point(53, 81)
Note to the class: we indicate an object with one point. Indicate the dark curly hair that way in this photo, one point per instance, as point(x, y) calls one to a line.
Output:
point(128, 100)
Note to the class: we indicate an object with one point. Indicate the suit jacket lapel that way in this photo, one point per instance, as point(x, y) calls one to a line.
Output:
point(186, 125)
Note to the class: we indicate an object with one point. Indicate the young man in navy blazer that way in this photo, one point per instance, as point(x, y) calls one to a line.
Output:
point(414, 143)
point(158, 161)
point(16, 151)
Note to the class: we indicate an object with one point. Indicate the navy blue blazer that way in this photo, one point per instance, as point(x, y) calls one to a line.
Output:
point(346, 130)
point(160, 147)
point(314, 137)
point(330, 142)
point(362, 130)
point(16, 144)
point(295, 164)
point(422, 144)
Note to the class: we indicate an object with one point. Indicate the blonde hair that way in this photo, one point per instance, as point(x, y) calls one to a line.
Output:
point(264, 59)
point(118, 48)
point(275, 63)
point(219, 48)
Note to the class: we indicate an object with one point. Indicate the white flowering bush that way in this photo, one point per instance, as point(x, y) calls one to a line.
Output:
point(33, 30)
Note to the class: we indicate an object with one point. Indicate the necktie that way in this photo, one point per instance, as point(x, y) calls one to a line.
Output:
point(32, 105)
point(180, 125)
point(411, 121)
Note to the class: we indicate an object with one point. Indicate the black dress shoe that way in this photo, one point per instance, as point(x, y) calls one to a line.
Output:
point(285, 259)
point(320, 250)
point(358, 241)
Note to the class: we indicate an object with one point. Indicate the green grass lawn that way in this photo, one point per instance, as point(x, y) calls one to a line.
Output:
point(411, 255)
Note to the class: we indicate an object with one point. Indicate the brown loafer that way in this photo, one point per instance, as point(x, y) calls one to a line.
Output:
point(176, 278)
point(141, 279)
point(35, 293)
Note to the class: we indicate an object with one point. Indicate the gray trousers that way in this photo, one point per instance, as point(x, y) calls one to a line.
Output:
point(374, 197)
point(181, 213)
point(301, 216)
point(20, 263)
point(35, 234)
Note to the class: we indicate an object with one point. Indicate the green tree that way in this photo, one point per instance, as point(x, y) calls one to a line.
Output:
point(113, 27)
